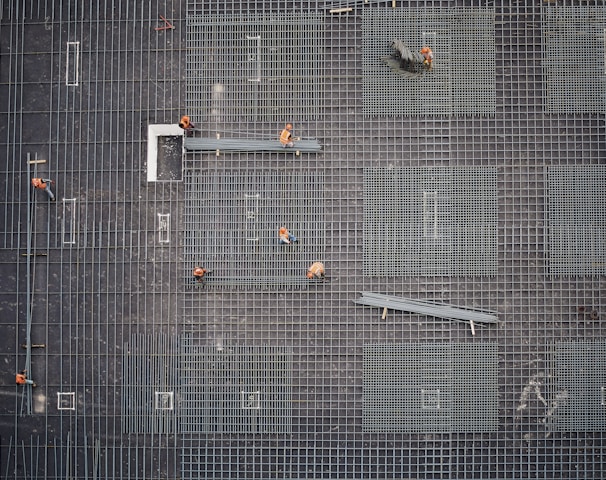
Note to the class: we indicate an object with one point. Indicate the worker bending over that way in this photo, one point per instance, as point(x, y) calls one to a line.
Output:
point(199, 273)
point(44, 184)
point(316, 270)
point(186, 125)
point(21, 379)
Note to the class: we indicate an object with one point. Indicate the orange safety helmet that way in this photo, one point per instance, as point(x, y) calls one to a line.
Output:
point(185, 122)
point(199, 271)
point(427, 53)
point(283, 230)
point(288, 126)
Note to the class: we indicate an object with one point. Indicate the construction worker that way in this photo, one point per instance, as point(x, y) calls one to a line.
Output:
point(199, 273)
point(427, 57)
point(21, 379)
point(316, 270)
point(286, 137)
point(44, 184)
point(186, 125)
point(409, 63)
point(286, 237)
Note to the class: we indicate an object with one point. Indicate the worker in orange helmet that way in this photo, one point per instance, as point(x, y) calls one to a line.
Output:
point(44, 184)
point(286, 137)
point(186, 125)
point(199, 273)
point(21, 379)
point(285, 236)
point(427, 56)
point(316, 270)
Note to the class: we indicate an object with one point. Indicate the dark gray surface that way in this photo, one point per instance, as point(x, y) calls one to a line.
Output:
point(89, 298)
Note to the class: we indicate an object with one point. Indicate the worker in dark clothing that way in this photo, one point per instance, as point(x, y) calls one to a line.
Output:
point(186, 125)
point(44, 184)
point(21, 379)
point(286, 137)
point(199, 273)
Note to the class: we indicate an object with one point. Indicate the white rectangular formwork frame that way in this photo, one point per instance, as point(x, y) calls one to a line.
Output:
point(153, 132)
point(163, 227)
point(430, 214)
point(68, 223)
point(72, 64)
point(66, 401)
point(164, 400)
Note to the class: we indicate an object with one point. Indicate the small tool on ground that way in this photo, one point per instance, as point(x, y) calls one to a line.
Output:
point(167, 25)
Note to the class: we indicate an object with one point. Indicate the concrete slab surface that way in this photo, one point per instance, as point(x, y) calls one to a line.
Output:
point(96, 298)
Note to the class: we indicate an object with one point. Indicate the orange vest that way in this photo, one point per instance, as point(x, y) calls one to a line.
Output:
point(284, 235)
point(285, 136)
point(316, 269)
point(427, 54)
point(38, 183)
point(199, 272)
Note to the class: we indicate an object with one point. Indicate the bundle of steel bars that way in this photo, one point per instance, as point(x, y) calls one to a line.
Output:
point(248, 145)
point(424, 307)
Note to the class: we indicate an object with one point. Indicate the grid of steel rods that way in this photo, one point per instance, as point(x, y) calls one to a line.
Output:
point(259, 372)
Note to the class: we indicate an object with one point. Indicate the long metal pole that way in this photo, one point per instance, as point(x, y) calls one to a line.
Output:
point(29, 299)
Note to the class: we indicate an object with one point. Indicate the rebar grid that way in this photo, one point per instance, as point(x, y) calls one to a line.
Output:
point(577, 220)
point(91, 275)
point(431, 388)
point(574, 86)
point(117, 278)
point(231, 227)
point(255, 67)
point(430, 221)
point(462, 79)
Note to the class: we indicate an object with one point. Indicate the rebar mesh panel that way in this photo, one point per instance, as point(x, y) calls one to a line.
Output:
point(430, 388)
point(579, 396)
point(573, 65)
point(236, 389)
point(472, 61)
point(254, 67)
point(231, 225)
point(150, 368)
point(458, 83)
point(577, 220)
point(430, 221)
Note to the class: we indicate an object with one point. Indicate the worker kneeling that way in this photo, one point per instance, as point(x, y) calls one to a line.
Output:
point(316, 270)
point(285, 237)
